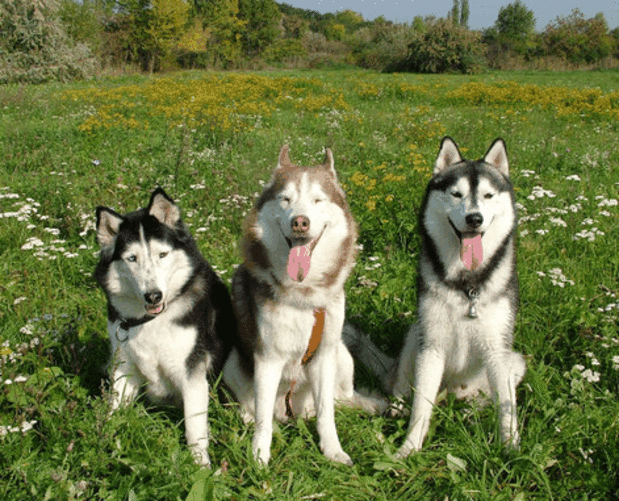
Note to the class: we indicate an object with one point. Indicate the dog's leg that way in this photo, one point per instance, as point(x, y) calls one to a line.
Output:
point(401, 386)
point(429, 368)
point(505, 370)
point(323, 374)
point(195, 406)
point(267, 376)
point(126, 382)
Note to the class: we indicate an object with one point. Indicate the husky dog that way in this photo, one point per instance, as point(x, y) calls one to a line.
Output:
point(170, 317)
point(299, 247)
point(467, 292)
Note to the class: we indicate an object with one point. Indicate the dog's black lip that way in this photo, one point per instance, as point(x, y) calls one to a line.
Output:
point(297, 241)
point(149, 312)
point(459, 233)
point(302, 240)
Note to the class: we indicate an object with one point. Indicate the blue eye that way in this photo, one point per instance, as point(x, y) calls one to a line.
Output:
point(456, 194)
point(132, 258)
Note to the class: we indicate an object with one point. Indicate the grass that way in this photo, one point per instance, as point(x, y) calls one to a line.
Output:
point(209, 139)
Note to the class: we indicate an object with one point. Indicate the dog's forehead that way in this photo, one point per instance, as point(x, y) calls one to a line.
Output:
point(301, 180)
point(472, 175)
point(139, 228)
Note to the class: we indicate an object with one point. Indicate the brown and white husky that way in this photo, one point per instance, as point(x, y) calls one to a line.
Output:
point(299, 246)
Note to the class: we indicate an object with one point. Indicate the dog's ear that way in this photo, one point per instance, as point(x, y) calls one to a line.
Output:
point(163, 208)
point(329, 163)
point(448, 155)
point(284, 160)
point(497, 156)
point(108, 223)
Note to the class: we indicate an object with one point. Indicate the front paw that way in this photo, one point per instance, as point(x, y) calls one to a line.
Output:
point(262, 451)
point(407, 448)
point(201, 457)
point(339, 456)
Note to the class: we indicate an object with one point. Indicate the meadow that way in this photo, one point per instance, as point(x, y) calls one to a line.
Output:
point(211, 140)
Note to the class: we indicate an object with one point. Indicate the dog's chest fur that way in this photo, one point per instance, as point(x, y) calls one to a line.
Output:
point(159, 351)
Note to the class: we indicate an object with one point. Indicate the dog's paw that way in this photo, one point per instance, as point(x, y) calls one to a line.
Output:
point(406, 450)
point(512, 442)
point(201, 457)
point(262, 455)
point(340, 457)
point(398, 408)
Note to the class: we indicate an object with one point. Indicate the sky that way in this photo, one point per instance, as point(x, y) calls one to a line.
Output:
point(483, 12)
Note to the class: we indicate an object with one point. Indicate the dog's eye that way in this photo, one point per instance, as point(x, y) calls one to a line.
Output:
point(285, 200)
point(488, 196)
point(132, 258)
point(318, 200)
point(456, 194)
point(162, 255)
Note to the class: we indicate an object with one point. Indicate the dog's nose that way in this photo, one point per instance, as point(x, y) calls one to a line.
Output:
point(474, 220)
point(153, 297)
point(300, 224)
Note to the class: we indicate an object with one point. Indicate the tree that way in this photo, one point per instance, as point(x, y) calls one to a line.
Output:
point(464, 13)
point(455, 12)
point(166, 27)
point(262, 18)
point(577, 39)
point(444, 47)
point(225, 28)
point(34, 46)
point(515, 22)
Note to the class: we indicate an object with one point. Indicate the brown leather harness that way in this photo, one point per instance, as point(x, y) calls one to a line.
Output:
point(314, 342)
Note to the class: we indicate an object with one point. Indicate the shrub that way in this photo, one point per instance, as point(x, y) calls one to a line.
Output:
point(577, 39)
point(444, 47)
point(382, 46)
point(34, 47)
point(284, 49)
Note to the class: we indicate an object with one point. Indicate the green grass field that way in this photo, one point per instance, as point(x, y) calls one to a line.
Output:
point(210, 140)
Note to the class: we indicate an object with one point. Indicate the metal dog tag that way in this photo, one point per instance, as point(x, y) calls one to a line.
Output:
point(473, 296)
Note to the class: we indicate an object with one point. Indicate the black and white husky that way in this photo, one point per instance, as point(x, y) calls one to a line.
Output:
point(467, 292)
point(170, 318)
point(299, 248)
point(467, 295)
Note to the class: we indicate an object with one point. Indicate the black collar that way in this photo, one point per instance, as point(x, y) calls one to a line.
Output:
point(127, 323)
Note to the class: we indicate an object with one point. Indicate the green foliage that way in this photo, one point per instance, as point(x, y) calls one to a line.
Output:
point(221, 17)
point(261, 18)
point(285, 49)
point(445, 47)
point(58, 438)
point(382, 46)
point(34, 47)
point(465, 13)
point(515, 22)
point(454, 13)
point(577, 39)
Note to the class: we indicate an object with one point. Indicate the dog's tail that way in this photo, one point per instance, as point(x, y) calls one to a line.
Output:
point(365, 351)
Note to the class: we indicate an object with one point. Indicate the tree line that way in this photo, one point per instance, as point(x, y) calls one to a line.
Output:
point(64, 39)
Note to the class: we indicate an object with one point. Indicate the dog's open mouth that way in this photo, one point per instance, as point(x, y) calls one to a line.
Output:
point(471, 250)
point(155, 310)
point(300, 256)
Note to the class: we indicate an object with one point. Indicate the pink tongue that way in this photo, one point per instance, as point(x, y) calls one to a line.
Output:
point(156, 310)
point(299, 262)
point(471, 252)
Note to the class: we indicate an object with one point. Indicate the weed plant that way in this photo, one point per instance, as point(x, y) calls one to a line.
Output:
point(211, 140)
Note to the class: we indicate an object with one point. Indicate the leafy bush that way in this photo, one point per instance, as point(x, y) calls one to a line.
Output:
point(577, 39)
point(34, 47)
point(382, 46)
point(284, 49)
point(444, 47)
